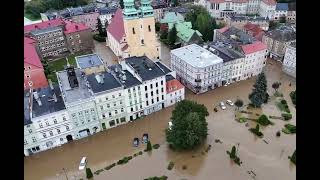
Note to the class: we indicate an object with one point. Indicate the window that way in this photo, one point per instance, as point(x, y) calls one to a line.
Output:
point(151, 86)
point(116, 111)
point(114, 104)
point(146, 95)
point(120, 102)
point(40, 125)
point(103, 116)
point(140, 106)
point(108, 105)
point(113, 96)
point(142, 41)
point(152, 101)
point(161, 89)
point(101, 107)
point(119, 94)
point(131, 109)
point(30, 131)
point(51, 133)
point(151, 93)
point(67, 128)
point(44, 135)
point(34, 139)
point(147, 103)
point(149, 28)
point(25, 142)
point(111, 123)
point(146, 88)
point(157, 91)
point(58, 131)
point(133, 32)
point(157, 99)
point(122, 110)
point(162, 97)
point(64, 118)
point(110, 114)
point(156, 84)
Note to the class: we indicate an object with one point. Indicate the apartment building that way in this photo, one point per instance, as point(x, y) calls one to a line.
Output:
point(57, 38)
point(197, 68)
point(47, 123)
point(289, 62)
point(97, 101)
point(277, 40)
point(34, 76)
point(239, 21)
point(222, 8)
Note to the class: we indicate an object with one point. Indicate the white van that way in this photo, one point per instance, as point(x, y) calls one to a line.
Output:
point(83, 163)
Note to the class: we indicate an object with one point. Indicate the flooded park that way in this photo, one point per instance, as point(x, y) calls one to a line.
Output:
point(263, 158)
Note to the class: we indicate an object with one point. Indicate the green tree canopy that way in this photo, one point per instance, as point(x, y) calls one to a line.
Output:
point(239, 103)
point(172, 36)
point(259, 93)
point(189, 125)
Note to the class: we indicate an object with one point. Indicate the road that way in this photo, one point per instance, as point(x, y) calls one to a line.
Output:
point(109, 146)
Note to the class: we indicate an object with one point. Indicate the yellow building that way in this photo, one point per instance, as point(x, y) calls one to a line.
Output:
point(132, 31)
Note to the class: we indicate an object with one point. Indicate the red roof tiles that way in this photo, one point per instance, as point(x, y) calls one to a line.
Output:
point(30, 53)
point(41, 25)
point(72, 27)
point(254, 47)
point(254, 30)
point(270, 2)
point(173, 85)
point(116, 27)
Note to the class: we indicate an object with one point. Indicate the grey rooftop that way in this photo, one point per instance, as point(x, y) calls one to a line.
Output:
point(104, 81)
point(163, 67)
point(76, 94)
point(283, 34)
point(130, 80)
point(107, 10)
point(88, 61)
point(237, 36)
point(197, 56)
point(238, 17)
point(48, 104)
point(146, 68)
point(169, 77)
point(224, 51)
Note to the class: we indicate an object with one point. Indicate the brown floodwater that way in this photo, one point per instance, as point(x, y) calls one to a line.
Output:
point(267, 161)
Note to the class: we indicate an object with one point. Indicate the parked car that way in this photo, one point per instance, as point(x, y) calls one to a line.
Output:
point(170, 125)
point(230, 102)
point(226, 84)
point(223, 107)
point(83, 163)
point(135, 142)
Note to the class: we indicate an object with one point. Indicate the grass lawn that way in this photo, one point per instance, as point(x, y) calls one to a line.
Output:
point(59, 64)
point(282, 107)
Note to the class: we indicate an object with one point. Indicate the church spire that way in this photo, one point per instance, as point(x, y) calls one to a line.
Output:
point(129, 10)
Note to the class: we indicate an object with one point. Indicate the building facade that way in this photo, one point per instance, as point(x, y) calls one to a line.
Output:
point(34, 76)
point(277, 40)
point(106, 14)
point(132, 31)
point(175, 91)
point(90, 64)
point(197, 68)
point(289, 62)
point(239, 21)
point(158, 9)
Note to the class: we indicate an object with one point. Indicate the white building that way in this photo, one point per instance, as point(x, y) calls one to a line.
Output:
point(96, 101)
point(79, 101)
point(106, 14)
point(109, 99)
point(221, 8)
point(197, 68)
point(158, 9)
point(47, 123)
point(281, 11)
point(289, 62)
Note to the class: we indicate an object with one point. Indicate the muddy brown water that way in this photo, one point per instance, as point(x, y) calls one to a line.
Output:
point(267, 161)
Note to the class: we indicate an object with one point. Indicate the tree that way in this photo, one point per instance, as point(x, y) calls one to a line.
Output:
point(259, 93)
point(202, 21)
point(89, 173)
point(121, 4)
point(172, 36)
point(276, 86)
point(233, 152)
point(157, 26)
point(264, 120)
point(149, 146)
point(189, 125)
point(273, 25)
point(163, 35)
point(175, 3)
point(293, 157)
point(239, 103)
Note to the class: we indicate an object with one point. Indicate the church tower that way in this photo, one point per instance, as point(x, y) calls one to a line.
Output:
point(139, 26)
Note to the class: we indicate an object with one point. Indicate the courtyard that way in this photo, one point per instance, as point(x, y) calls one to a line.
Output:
point(267, 160)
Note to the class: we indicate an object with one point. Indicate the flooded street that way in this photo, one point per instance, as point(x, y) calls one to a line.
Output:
point(267, 161)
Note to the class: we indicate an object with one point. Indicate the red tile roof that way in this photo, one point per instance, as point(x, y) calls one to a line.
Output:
point(254, 47)
point(173, 85)
point(30, 53)
point(72, 27)
point(255, 30)
point(116, 27)
point(41, 25)
point(270, 2)
point(224, 29)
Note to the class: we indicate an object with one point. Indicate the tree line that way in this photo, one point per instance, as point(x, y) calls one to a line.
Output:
point(35, 7)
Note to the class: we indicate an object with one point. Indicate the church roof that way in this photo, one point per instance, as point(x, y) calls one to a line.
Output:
point(116, 27)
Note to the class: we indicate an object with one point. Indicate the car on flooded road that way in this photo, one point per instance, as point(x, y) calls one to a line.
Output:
point(230, 102)
point(83, 163)
point(223, 107)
